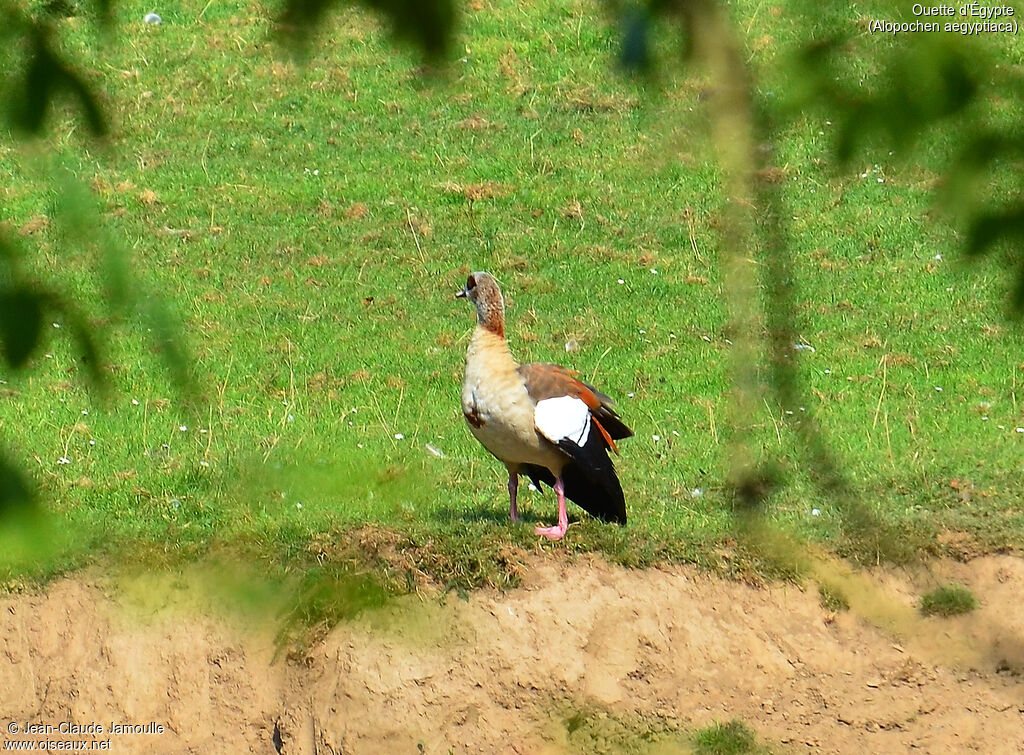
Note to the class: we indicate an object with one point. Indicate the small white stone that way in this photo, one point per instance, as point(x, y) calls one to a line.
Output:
point(152, 18)
point(815, 512)
point(656, 438)
point(621, 281)
point(399, 436)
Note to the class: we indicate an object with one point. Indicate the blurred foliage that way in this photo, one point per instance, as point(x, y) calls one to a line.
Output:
point(36, 74)
point(948, 600)
point(325, 596)
point(934, 86)
point(426, 24)
point(923, 85)
point(35, 77)
point(924, 88)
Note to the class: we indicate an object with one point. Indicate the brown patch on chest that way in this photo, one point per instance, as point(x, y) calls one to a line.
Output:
point(473, 418)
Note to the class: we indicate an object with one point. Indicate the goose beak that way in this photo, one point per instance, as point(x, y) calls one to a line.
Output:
point(461, 294)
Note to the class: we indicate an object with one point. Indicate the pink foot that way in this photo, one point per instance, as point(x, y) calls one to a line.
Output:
point(557, 532)
point(551, 533)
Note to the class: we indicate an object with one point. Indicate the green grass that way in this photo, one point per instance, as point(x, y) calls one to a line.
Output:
point(310, 224)
point(585, 728)
point(732, 738)
point(948, 600)
point(832, 599)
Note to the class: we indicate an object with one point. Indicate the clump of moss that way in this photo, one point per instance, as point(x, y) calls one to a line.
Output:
point(732, 738)
point(949, 600)
point(832, 599)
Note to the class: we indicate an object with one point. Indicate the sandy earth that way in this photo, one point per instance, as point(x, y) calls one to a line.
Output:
point(583, 658)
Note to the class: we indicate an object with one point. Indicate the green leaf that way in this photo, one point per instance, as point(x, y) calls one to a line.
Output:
point(635, 54)
point(15, 494)
point(29, 536)
point(169, 339)
point(104, 12)
point(428, 24)
point(87, 339)
point(991, 228)
point(45, 76)
point(21, 321)
point(86, 101)
point(40, 81)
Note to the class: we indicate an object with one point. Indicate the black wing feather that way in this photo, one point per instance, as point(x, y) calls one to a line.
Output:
point(590, 479)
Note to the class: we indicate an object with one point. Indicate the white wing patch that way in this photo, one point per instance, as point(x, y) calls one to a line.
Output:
point(563, 418)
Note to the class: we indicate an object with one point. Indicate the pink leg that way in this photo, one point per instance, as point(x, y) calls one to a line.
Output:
point(557, 532)
point(513, 489)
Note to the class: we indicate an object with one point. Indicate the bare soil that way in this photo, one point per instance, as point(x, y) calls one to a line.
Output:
point(584, 657)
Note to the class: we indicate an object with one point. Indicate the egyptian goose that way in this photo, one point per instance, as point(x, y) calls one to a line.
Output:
point(538, 419)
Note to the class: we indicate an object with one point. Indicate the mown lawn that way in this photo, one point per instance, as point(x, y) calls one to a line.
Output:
point(309, 223)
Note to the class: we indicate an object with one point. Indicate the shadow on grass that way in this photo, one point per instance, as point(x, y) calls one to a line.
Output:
point(497, 516)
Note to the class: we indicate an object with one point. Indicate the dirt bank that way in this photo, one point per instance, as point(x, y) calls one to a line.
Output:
point(584, 657)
